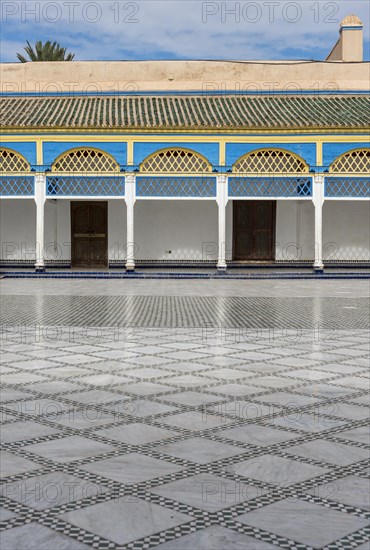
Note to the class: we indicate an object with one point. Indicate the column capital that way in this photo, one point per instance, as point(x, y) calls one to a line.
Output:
point(318, 190)
point(222, 190)
point(130, 189)
point(222, 179)
point(131, 179)
point(319, 179)
point(40, 188)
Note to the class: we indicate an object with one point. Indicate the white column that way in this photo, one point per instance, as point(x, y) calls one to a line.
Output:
point(222, 198)
point(130, 194)
point(318, 201)
point(40, 197)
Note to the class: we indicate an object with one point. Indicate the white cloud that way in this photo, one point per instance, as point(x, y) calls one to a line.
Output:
point(178, 28)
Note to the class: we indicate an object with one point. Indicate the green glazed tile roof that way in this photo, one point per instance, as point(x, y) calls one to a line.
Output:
point(186, 112)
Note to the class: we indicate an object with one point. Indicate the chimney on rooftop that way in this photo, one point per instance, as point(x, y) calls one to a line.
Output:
point(349, 46)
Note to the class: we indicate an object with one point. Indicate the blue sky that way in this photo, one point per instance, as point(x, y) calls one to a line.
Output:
point(180, 29)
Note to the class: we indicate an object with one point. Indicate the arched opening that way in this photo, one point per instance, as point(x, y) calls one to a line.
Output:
point(85, 159)
point(175, 160)
point(11, 161)
point(352, 162)
point(267, 161)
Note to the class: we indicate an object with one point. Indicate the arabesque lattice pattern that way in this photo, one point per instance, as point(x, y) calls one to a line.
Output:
point(11, 161)
point(270, 160)
point(85, 160)
point(175, 160)
point(270, 187)
point(16, 186)
point(85, 186)
point(147, 186)
point(347, 187)
point(354, 161)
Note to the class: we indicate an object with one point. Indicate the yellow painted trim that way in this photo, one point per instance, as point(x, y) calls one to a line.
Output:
point(87, 172)
point(130, 151)
point(39, 152)
point(222, 153)
point(165, 174)
point(234, 138)
point(319, 153)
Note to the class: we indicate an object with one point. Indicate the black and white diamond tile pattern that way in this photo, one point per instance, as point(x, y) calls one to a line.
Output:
point(134, 423)
point(185, 311)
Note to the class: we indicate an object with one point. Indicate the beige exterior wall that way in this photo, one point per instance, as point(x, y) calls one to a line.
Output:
point(143, 76)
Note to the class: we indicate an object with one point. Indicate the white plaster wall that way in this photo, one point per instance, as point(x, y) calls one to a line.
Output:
point(189, 229)
point(18, 229)
point(117, 245)
point(57, 230)
point(294, 230)
point(346, 230)
point(229, 231)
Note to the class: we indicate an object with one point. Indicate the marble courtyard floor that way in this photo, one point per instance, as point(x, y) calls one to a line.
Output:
point(210, 415)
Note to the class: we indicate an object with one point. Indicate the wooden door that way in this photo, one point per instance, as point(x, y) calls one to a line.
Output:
point(254, 230)
point(89, 233)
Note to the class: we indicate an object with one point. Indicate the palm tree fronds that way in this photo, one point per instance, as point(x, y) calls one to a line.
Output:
point(45, 52)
